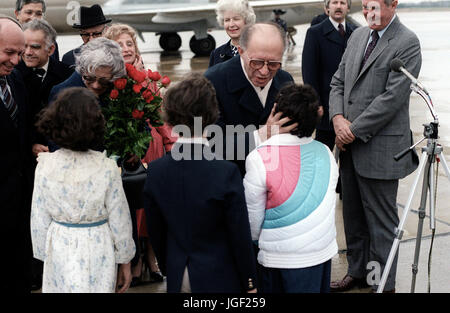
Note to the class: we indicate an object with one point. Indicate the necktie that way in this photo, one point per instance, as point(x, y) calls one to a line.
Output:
point(10, 104)
point(40, 72)
point(370, 47)
point(341, 29)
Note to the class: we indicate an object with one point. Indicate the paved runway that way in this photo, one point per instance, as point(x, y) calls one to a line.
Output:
point(431, 27)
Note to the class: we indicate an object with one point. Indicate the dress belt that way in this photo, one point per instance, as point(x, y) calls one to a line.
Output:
point(82, 225)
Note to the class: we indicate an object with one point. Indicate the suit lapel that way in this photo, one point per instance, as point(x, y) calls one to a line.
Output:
point(331, 33)
point(381, 45)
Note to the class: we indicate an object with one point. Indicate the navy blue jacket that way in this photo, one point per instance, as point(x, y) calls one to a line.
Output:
point(69, 57)
point(197, 217)
point(238, 102)
point(74, 80)
point(322, 53)
point(220, 54)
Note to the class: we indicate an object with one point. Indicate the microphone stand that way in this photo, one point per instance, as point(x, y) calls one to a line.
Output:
point(430, 153)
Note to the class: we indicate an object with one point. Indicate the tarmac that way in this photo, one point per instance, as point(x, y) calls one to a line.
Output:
point(175, 65)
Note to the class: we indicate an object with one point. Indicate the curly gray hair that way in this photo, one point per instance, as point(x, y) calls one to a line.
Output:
point(100, 52)
point(241, 7)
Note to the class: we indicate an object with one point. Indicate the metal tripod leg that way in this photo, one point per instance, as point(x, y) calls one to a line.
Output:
point(423, 203)
point(399, 231)
point(444, 163)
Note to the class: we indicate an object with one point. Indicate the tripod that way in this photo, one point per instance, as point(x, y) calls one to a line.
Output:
point(430, 153)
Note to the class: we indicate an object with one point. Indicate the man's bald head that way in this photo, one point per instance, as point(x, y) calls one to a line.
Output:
point(12, 44)
point(263, 30)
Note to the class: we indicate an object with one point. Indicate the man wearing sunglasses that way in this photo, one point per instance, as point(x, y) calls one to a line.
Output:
point(92, 25)
point(246, 86)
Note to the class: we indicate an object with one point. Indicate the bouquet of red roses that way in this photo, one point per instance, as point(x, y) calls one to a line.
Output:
point(131, 107)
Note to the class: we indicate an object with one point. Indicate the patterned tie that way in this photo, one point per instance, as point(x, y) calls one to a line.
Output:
point(40, 72)
point(341, 29)
point(10, 104)
point(370, 47)
point(234, 49)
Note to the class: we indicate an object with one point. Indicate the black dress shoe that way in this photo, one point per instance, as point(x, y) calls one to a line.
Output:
point(135, 281)
point(347, 283)
point(156, 277)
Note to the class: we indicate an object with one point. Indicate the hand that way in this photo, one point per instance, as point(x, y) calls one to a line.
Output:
point(274, 125)
point(138, 63)
point(342, 129)
point(38, 148)
point(124, 278)
point(339, 144)
point(320, 111)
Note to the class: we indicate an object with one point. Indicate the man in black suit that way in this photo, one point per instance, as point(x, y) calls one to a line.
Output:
point(28, 10)
point(40, 72)
point(92, 25)
point(246, 88)
point(324, 46)
point(14, 161)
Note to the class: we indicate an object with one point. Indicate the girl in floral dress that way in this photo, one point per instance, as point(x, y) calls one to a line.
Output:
point(80, 221)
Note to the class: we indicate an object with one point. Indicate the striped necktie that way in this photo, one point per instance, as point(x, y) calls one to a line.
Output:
point(370, 47)
point(10, 104)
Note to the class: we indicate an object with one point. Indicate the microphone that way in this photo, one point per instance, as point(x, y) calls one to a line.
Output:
point(398, 66)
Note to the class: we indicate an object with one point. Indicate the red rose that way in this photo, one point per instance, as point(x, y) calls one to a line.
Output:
point(137, 88)
point(165, 81)
point(139, 76)
point(130, 68)
point(148, 96)
point(137, 114)
point(114, 94)
point(155, 76)
point(120, 83)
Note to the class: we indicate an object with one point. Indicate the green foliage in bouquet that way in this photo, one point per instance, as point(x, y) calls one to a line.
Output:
point(132, 107)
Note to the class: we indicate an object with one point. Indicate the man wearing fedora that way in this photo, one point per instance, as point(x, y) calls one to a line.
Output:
point(92, 25)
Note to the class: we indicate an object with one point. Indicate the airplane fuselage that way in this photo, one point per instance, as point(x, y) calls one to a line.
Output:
point(61, 14)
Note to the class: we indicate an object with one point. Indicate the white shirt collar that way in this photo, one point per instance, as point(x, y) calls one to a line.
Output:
point(262, 93)
point(336, 24)
point(194, 140)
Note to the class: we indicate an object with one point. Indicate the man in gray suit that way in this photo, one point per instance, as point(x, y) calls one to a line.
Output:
point(369, 108)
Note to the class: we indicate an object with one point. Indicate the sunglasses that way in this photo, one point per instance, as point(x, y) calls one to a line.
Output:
point(258, 64)
point(92, 79)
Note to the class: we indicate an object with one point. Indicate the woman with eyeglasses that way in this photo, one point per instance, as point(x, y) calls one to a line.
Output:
point(98, 64)
point(162, 142)
point(233, 15)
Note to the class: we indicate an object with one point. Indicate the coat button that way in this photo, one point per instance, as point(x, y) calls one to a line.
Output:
point(350, 103)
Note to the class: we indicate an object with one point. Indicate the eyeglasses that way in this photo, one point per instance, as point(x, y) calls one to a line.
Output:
point(93, 35)
point(258, 64)
point(102, 81)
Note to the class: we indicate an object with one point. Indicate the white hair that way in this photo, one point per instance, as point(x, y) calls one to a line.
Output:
point(241, 7)
point(100, 52)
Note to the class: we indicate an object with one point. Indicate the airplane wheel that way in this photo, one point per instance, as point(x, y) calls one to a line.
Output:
point(202, 47)
point(170, 41)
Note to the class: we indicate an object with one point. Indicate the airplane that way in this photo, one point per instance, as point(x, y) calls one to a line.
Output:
point(61, 14)
point(168, 17)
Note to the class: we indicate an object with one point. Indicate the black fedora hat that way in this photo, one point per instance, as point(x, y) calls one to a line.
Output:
point(90, 17)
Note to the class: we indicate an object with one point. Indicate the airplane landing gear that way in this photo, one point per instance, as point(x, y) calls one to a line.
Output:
point(170, 41)
point(202, 47)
